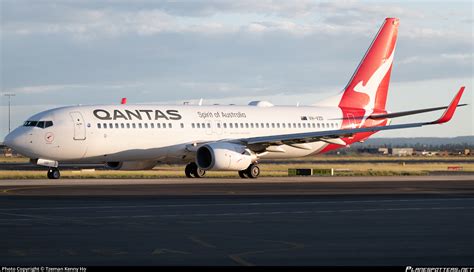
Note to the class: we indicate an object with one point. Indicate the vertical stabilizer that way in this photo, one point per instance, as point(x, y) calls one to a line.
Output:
point(367, 89)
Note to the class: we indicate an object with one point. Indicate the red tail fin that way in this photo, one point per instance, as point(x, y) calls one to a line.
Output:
point(368, 87)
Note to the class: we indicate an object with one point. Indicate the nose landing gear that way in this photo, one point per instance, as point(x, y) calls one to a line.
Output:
point(53, 173)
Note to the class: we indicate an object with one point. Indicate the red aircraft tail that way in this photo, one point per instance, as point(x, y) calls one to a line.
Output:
point(368, 87)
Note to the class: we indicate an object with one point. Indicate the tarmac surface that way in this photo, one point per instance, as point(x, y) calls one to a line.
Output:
point(270, 221)
point(78, 166)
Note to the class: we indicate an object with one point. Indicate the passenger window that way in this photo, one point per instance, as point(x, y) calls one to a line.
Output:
point(278, 125)
point(268, 125)
point(182, 125)
point(219, 125)
point(164, 125)
point(146, 125)
point(128, 125)
point(122, 125)
point(98, 125)
point(105, 125)
point(225, 125)
point(251, 125)
point(304, 125)
point(208, 125)
point(152, 125)
point(241, 125)
point(198, 125)
point(256, 125)
point(192, 125)
point(283, 125)
point(246, 125)
point(139, 125)
point(322, 125)
point(319, 125)
point(299, 125)
point(230, 125)
point(294, 125)
point(170, 125)
point(236, 125)
point(111, 125)
point(133, 125)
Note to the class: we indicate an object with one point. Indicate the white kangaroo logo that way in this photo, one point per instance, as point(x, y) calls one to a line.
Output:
point(370, 88)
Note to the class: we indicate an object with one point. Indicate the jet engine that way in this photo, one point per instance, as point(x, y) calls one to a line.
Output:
point(224, 156)
point(131, 165)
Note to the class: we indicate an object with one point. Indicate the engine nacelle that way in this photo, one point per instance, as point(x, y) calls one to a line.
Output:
point(224, 156)
point(131, 165)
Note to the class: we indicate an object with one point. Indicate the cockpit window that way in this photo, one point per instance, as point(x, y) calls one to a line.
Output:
point(40, 124)
point(30, 123)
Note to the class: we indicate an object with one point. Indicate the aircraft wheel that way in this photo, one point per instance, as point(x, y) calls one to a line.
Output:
point(253, 171)
point(198, 172)
point(189, 170)
point(243, 174)
point(53, 173)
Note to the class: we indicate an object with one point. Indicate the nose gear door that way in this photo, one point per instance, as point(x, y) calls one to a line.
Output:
point(79, 126)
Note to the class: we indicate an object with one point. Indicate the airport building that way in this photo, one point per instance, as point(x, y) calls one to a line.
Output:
point(405, 151)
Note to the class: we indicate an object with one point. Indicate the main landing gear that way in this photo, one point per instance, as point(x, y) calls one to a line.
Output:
point(253, 171)
point(193, 171)
point(53, 173)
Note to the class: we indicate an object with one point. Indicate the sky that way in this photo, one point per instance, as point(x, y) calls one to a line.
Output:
point(56, 53)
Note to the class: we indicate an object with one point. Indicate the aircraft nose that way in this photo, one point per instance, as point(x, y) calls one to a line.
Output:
point(8, 140)
point(14, 140)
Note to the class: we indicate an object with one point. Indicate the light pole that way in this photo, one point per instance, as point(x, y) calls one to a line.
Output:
point(9, 111)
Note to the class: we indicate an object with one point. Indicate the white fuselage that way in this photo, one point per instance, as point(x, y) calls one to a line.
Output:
point(165, 133)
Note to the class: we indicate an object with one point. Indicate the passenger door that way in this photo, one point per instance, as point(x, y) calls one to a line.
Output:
point(79, 126)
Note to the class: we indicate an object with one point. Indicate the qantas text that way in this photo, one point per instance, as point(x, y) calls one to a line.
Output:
point(137, 114)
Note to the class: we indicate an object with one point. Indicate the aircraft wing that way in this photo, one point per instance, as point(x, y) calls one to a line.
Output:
point(341, 133)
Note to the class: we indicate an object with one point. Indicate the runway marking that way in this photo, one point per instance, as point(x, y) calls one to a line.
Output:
point(200, 242)
point(7, 191)
point(17, 252)
point(10, 190)
point(238, 257)
point(239, 204)
point(27, 217)
point(255, 213)
point(160, 251)
point(108, 252)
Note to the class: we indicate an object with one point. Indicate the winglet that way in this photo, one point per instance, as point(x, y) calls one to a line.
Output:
point(449, 112)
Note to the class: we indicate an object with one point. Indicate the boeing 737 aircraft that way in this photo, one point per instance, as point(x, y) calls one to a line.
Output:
point(218, 137)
